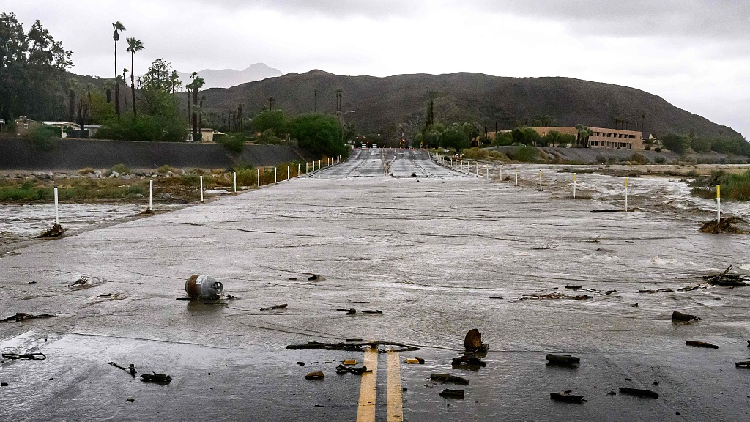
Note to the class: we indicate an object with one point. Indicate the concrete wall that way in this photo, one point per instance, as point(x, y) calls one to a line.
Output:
point(72, 154)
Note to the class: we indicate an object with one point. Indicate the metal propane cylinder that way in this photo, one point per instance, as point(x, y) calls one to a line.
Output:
point(200, 286)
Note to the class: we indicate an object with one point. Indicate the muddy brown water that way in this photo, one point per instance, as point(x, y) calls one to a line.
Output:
point(429, 252)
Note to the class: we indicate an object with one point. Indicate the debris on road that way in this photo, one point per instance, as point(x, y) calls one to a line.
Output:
point(314, 277)
point(634, 305)
point(496, 297)
point(566, 397)
point(553, 296)
point(350, 311)
point(573, 287)
point(55, 232)
point(3, 384)
point(415, 360)
point(696, 343)
point(372, 312)
point(24, 356)
point(567, 361)
point(130, 369)
point(21, 316)
point(352, 347)
point(317, 375)
point(203, 287)
point(678, 316)
point(162, 379)
point(743, 364)
point(731, 225)
point(639, 393)
point(270, 308)
point(452, 394)
point(350, 362)
point(449, 378)
point(725, 279)
point(468, 362)
point(341, 369)
point(652, 291)
point(473, 341)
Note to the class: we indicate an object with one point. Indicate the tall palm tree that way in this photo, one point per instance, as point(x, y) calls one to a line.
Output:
point(119, 27)
point(133, 46)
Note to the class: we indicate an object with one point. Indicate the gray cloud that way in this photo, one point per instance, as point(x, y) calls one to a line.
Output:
point(328, 8)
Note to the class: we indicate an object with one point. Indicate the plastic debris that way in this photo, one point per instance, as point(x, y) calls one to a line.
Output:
point(567, 361)
point(678, 316)
point(696, 343)
point(162, 379)
point(639, 393)
point(282, 306)
point(317, 375)
point(452, 394)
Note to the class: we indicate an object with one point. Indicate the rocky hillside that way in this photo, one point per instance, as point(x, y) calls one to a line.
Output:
point(382, 105)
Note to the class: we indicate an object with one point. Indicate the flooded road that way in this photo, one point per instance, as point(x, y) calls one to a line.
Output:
point(436, 251)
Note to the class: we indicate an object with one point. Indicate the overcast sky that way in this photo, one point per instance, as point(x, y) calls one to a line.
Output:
point(693, 53)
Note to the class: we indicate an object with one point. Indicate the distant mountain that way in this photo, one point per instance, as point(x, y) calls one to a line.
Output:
point(383, 105)
point(228, 77)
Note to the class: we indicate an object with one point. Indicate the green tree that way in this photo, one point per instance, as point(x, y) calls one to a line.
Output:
point(193, 87)
point(134, 46)
point(526, 136)
point(32, 71)
point(502, 139)
point(270, 119)
point(676, 143)
point(319, 134)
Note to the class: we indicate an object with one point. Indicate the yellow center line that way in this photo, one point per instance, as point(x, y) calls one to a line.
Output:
point(366, 408)
point(395, 408)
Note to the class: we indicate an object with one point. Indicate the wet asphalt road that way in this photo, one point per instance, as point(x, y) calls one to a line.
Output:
point(438, 255)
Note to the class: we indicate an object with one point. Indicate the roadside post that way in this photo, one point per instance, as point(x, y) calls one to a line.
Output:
point(626, 194)
point(234, 182)
point(516, 177)
point(151, 195)
point(57, 214)
point(540, 180)
point(307, 167)
point(275, 180)
point(258, 177)
point(318, 164)
point(287, 172)
point(201, 189)
point(718, 205)
point(574, 186)
point(299, 169)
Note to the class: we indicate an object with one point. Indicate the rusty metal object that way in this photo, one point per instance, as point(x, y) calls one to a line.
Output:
point(203, 287)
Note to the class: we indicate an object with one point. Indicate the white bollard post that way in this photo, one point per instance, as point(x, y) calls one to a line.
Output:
point(626, 194)
point(299, 169)
point(201, 188)
point(287, 172)
point(718, 205)
point(574, 186)
point(57, 214)
point(318, 165)
point(540, 180)
point(258, 177)
point(234, 181)
point(275, 180)
point(516, 177)
point(307, 168)
point(151, 195)
point(501, 172)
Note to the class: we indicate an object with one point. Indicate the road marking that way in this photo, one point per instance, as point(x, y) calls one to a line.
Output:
point(366, 408)
point(395, 408)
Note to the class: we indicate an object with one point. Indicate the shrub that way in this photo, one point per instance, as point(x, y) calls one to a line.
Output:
point(41, 137)
point(231, 143)
point(85, 171)
point(660, 160)
point(476, 153)
point(639, 158)
point(165, 169)
point(524, 154)
point(120, 168)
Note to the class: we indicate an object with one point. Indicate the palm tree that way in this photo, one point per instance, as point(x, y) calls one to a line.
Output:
point(193, 88)
point(133, 46)
point(118, 28)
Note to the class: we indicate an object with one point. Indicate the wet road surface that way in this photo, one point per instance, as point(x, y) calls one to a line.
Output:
point(438, 255)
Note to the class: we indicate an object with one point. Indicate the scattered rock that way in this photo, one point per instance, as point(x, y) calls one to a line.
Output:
point(350, 311)
point(452, 394)
point(449, 378)
point(352, 347)
point(3, 384)
point(572, 287)
point(130, 399)
point(609, 292)
point(634, 305)
point(341, 369)
point(639, 393)
point(743, 364)
point(696, 343)
point(372, 312)
point(566, 397)
point(496, 297)
point(678, 316)
point(313, 277)
point(553, 296)
point(282, 306)
point(473, 341)
point(301, 363)
point(317, 375)
point(567, 361)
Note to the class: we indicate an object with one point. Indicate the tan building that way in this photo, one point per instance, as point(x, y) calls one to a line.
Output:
point(613, 138)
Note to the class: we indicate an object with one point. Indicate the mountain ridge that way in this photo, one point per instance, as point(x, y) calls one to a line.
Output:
point(385, 104)
point(226, 78)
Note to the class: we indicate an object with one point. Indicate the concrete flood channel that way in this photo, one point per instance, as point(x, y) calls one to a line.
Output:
point(438, 254)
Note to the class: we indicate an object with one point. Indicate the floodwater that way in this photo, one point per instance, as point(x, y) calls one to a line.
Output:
point(438, 254)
